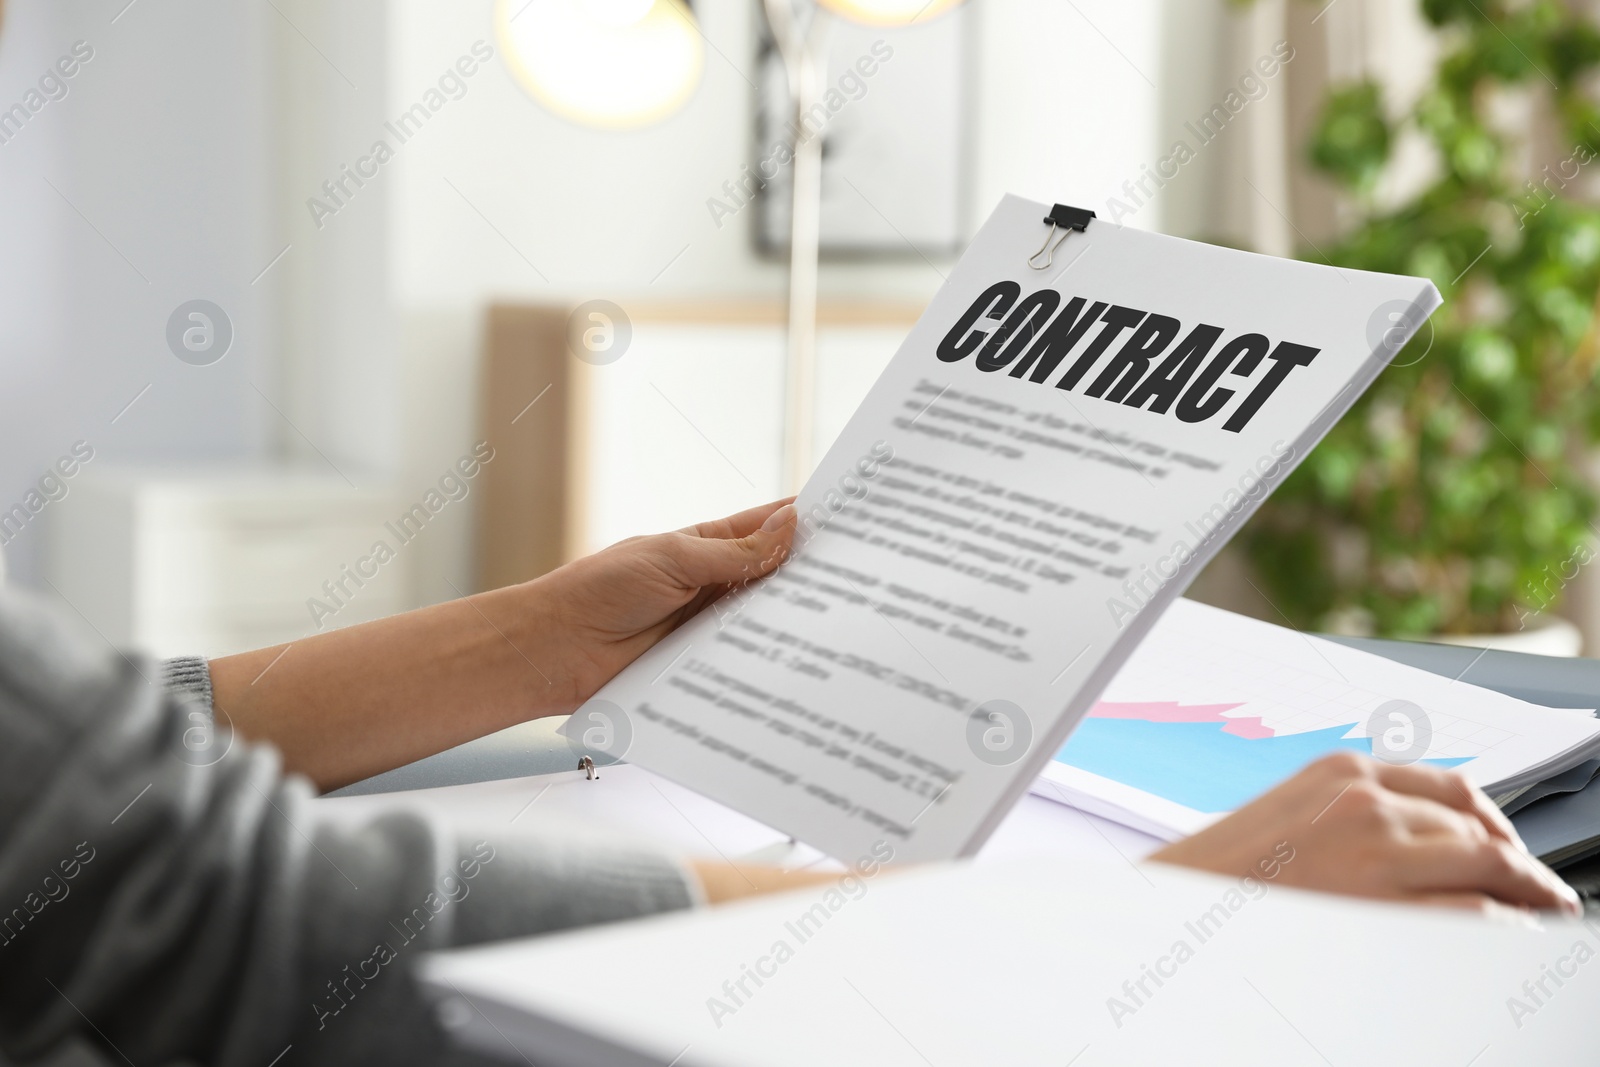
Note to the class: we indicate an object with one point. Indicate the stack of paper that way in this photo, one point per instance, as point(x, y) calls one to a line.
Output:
point(1213, 709)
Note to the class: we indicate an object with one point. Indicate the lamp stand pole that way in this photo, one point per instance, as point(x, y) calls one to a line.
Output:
point(805, 61)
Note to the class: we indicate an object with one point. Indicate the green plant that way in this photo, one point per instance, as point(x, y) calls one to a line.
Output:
point(1453, 497)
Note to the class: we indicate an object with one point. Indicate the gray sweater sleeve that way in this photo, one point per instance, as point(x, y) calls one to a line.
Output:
point(188, 676)
point(167, 894)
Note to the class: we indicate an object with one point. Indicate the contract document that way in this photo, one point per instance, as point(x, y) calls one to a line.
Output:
point(1044, 465)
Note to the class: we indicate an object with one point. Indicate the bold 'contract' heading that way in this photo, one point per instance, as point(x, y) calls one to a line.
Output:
point(1154, 369)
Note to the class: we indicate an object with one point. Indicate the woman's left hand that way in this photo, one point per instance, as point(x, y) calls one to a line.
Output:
point(612, 606)
point(347, 704)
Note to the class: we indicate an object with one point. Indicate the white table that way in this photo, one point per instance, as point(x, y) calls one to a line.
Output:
point(480, 784)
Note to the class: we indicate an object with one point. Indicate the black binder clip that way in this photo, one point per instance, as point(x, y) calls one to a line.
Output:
point(586, 765)
point(1063, 218)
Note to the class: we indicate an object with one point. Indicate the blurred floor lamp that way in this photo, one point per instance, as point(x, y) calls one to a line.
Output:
point(620, 64)
point(800, 30)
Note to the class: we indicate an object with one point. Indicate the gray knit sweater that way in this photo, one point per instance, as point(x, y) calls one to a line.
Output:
point(166, 898)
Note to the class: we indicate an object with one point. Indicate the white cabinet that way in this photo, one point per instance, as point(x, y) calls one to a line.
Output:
point(683, 424)
point(223, 560)
point(688, 425)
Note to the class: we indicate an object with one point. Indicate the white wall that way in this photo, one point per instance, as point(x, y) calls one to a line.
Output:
point(148, 185)
point(342, 380)
point(1057, 114)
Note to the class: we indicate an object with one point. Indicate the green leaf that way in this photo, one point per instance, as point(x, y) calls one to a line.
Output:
point(1351, 142)
point(1490, 358)
point(1442, 12)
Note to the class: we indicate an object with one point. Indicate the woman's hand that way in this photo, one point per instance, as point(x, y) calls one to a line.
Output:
point(1354, 825)
point(347, 704)
point(1345, 824)
point(612, 606)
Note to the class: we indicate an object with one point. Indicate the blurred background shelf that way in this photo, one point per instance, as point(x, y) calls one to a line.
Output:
point(221, 560)
point(682, 427)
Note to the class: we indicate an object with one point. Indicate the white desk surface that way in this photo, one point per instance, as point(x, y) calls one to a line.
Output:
point(630, 802)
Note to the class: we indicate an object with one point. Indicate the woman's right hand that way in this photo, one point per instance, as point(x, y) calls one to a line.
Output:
point(1349, 824)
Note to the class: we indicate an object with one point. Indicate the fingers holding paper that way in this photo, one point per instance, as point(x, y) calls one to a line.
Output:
point(612, 606)
point(1369, 829)
point(743, 524)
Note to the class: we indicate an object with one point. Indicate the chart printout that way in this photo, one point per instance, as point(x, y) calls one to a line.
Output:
point(1213, 709)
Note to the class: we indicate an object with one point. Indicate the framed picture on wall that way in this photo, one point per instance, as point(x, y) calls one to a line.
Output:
point(893, 123)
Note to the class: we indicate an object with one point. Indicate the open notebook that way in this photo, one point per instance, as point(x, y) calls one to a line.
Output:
point(1214, 708)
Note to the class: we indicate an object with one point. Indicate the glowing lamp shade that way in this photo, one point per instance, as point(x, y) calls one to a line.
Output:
point(608, 63)
point(889, 12)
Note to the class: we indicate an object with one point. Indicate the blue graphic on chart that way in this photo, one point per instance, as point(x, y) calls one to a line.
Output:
point(1198, 755)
